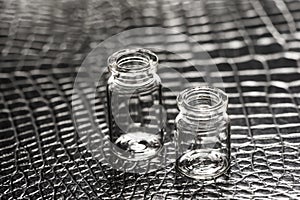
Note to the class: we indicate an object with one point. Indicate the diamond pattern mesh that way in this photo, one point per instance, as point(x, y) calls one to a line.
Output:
point(255, 45)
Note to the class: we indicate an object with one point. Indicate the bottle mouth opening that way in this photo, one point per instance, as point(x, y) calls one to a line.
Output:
point(203, 99)
point(132, 61)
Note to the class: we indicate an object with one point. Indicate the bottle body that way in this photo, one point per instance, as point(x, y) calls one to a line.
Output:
point(202, 133)
point(135, 105)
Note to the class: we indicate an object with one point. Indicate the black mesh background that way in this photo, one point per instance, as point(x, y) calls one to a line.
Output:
point(255, 45)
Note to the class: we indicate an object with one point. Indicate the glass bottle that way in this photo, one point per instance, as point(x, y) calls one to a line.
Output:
point(135, 112)
point(202, 133)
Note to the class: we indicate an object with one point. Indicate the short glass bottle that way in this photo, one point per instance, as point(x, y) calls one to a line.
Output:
point(202, 133)
point(135, 111)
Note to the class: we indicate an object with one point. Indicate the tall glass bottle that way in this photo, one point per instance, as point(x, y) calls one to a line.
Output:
point(203, 133)
point(135, 111)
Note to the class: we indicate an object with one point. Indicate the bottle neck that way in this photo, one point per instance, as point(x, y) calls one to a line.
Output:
point(203, 105)
point(132, 67)
point(132, 79)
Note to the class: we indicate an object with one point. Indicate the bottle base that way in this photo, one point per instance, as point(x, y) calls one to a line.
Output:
point(202, 164)
point(137, 146)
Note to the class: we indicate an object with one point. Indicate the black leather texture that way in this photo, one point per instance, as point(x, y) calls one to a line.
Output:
point(255, 45)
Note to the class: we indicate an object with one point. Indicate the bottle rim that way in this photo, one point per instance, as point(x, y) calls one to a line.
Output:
point(132, 61)
point(196, 99)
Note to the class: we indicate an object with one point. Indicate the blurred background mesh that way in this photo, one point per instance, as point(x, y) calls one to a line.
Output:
point(255, 45)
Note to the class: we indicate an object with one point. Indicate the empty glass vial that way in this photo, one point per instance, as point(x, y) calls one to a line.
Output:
point(202, 133)
point(135, 109)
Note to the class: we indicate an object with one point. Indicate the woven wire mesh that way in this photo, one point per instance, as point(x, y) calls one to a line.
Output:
point(255, 45)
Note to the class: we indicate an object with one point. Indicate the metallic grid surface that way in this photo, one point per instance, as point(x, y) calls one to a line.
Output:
point(255, 45)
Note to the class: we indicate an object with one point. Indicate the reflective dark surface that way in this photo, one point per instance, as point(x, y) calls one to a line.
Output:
point(255, 45)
